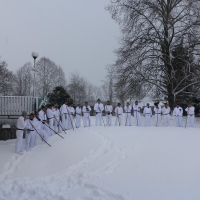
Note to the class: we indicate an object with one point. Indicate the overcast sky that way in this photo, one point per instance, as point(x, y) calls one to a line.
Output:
point(78, 35)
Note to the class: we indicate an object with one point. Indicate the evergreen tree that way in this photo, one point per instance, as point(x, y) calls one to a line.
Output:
point(58, 96)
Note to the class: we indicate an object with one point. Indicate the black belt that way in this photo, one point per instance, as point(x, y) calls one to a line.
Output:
point(158, 113)
point(166, 114)
point(20, 129)
point(127, 112)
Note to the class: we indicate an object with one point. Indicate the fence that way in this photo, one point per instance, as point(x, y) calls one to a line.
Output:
point(14, 105)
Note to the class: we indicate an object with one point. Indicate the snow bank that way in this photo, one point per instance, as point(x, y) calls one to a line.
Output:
point(108, 163)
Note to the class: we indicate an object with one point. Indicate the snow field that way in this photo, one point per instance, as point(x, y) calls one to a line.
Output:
point(106, 163)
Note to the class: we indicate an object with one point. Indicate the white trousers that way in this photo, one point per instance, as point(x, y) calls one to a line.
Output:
point(98, 119)
point(137, 117)
point(33, 138)
point(147, 120)
point(18, 146)
point(51, 126)
point(64, 121)
point(179, 121)
point(70, 122)
point(28, 140)
point(87, 121)
point(78, 120)
point(43, 133)
point(166, 120)
point(118, 120)
point(190, 121)
point(157, 119)
point(57, 124)
point(128, 119)
point(108, 120)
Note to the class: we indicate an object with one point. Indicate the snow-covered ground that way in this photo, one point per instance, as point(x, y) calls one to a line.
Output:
point(106, 163)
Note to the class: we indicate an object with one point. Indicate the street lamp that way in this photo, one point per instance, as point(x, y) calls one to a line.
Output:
point(34, 55)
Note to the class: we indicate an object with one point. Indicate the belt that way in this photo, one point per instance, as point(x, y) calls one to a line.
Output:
point(20, 129)
point(158, 113)
point(127, 112)
point(166, 114)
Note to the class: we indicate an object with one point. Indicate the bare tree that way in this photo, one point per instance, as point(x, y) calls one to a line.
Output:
point(24, 80)
point(151, 31)
point(48, 76)
point(6, 80)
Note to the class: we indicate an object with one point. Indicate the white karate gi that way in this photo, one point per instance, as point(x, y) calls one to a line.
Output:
point(108, 110)
point(57, 122)
point(78, 116)
point(178, 113)
point(98, 107)
point(40, 130)
point(137, 115)
point(43, 117)
point(19, 134)
point(147, 114)
point(119, 112)
point(71, 112)
point(30, 134)
point(190, 116)
point(50, 116)
point(127, 110)
point(166, 115)
point(157, 111)
point(86, 112)
point(64, 113)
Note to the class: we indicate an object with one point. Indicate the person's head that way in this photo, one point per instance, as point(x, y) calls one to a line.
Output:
point(98, 101)
point(31, 116)
point(86, 103)
point(108, 102)
point(50, 106)
point(24, 114)
point(43, 108)
point(190, 104)
point(66, 103)
point(119, 104)
point(56, 106)
point(36, 114)
point(136, 102)
point(127, 104)
point(177, 105)
point(156, 104)
point(71, 104)
point(166, 104)
point(147, 104)
point(78, 105)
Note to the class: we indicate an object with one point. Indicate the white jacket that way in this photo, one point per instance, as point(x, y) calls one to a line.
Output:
point(71, 110)
point(157, 110)
point(108, 108)
point(98, 107)
point(50, 113)
point(78, 110)
point(178, 111)
point(21, 122)
point(166, 111)
point(42, 115)
point(190, 110)
point(128, 109)
point(118, 110)
point(63, 109)
point(147, 111)
point(85, 109)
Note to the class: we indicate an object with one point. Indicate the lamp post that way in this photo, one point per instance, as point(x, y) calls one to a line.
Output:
point(34, 55)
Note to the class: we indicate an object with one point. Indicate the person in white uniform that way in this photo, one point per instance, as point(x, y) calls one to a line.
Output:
point(39, 127)
point(64, 113)
point(57, 122)
point(157, 111)
point(71, 112)
point(43, 117)
point(50, 117)
point(19, 132)
point(30, 132)
point(190, 115)
point(137, 115)
point(178, 113)
point(166, 114)
point(108, 110)
point(86, 113)
point(78, 116)
point(119, 113)
point(147, 114)
point(98, 107)
point(127, 110)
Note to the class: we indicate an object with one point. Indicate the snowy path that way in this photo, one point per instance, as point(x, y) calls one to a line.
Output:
point(112, 163)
